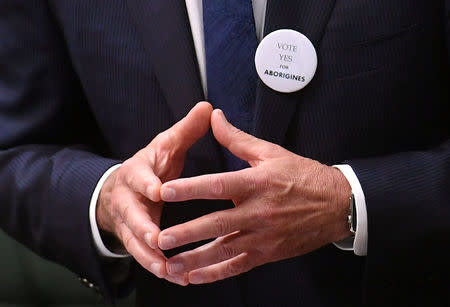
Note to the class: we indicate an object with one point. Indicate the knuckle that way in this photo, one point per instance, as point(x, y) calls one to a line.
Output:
point(125, 214)
point(276, 148)
point(126, 171)
point(164, 138)
point(145, 155)
point(265, 252)
point(144, 183)
point(262, 180)
point(264, 218)
point(265, 212)
point(125, 236)
point(160, 135)
point(114, 209)
point(130, 178)
point(126, 167)
point(115, 215)
point(149, 154)
point(128, 243)
point(236, 268)
point(217, 187)
point(226, 251)
point(133, 178)
point(221, 225)
point(144, 261)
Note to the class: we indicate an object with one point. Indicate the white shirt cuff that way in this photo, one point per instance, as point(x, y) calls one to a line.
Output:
point(359, 243)
point(100, 246)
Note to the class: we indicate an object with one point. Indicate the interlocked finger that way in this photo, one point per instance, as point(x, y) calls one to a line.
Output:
point(210, 226)
point(229, 268)
point(141, 179)
point(230, 185)
point(135, 215)
point(221, 249)
point(144, 255)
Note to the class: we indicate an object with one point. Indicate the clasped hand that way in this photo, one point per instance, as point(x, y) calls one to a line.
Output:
point(285, 205)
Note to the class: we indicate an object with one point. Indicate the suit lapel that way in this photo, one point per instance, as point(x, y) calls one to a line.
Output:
point(274, 111)
point(167, 36)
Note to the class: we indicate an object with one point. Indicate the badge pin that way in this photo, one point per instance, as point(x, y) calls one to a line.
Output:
point(286, 61)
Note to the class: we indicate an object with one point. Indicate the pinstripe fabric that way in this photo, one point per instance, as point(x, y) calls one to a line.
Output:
point(109, 75)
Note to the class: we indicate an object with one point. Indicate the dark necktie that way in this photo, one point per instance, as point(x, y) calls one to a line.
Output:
point(230, 44)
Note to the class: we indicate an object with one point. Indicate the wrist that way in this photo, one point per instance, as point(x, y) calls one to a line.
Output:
point(103, 212)
point(342, 200)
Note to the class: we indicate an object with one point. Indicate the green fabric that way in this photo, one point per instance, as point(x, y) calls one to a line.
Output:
point(27, 280)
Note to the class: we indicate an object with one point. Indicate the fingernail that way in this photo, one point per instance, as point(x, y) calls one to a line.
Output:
point(168, 194)
point(148, 239)
point(167, 241)
point(175, 268)
point(155, 268)
point(195, 279)
point(180, 280)
point(222, 115)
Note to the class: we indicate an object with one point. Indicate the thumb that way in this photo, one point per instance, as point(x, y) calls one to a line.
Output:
point(241, 144)
point(191, 128)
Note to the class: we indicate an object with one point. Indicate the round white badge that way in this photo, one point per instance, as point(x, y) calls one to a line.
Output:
point(286, 61)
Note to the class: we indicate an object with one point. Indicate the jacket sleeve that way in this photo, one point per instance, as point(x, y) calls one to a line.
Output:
point(50, 147)
point(408, 200)
point(408, 209)
point(408, 218)
point(408, 205)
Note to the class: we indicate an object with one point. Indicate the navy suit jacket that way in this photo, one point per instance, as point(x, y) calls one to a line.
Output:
point(85, 84)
